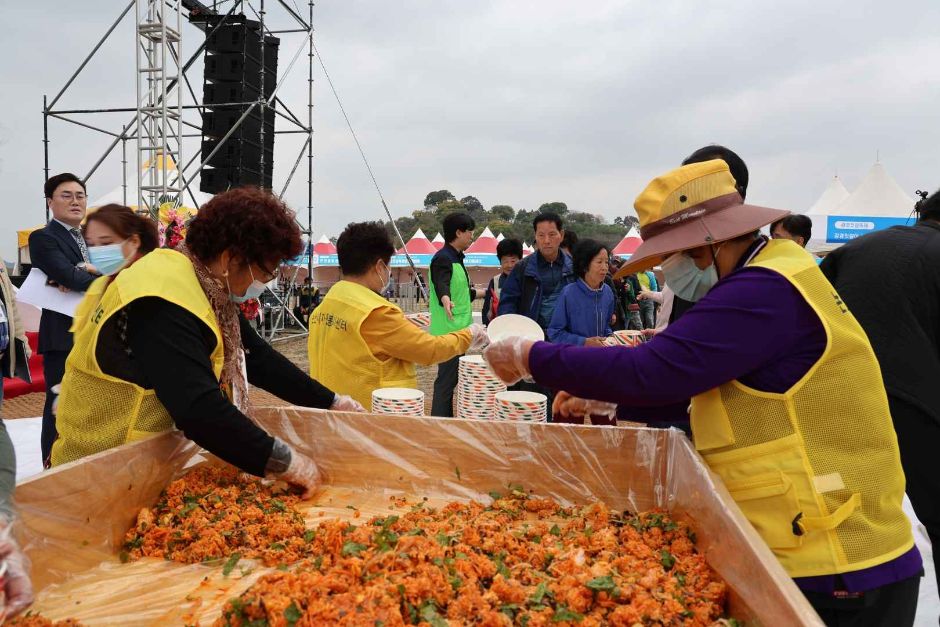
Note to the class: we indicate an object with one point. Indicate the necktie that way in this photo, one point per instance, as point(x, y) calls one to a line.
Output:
point(81, 243)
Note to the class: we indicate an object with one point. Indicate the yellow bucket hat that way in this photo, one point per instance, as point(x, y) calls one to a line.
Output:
point(692, 206)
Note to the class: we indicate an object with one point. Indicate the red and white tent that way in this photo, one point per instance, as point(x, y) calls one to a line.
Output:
point(419, 244)
point(438, 241)
point(628, 245)
point(500, 238)
point(485, 244)
point(324, 247)
point(527, 250)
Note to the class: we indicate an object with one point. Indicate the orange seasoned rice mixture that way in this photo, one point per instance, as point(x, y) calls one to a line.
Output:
point(519, 561)
point(35, 620)
point(217, 512)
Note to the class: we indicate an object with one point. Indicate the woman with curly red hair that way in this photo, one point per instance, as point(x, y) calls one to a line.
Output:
point(166, 347)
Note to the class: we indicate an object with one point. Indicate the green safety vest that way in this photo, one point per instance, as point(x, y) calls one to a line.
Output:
point(459, 296)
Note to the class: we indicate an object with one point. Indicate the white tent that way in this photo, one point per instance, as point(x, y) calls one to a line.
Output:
point(877, 203)
point(833, 196)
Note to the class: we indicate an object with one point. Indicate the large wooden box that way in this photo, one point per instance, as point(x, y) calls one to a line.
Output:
point(74, 517)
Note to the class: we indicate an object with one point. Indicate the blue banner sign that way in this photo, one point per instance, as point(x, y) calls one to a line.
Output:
point(840, 229)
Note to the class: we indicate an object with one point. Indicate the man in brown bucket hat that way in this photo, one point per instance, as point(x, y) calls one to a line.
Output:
point(788, 405)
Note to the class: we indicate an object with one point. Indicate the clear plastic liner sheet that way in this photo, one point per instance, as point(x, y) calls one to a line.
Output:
point(75, 516)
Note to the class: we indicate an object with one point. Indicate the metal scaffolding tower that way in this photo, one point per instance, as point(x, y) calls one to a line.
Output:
point(159, 106)
point(160, 123)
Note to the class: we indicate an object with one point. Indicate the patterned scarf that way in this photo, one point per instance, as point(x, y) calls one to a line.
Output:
point(226, 313)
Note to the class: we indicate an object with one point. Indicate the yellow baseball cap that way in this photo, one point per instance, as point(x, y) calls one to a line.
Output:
point(692, 206)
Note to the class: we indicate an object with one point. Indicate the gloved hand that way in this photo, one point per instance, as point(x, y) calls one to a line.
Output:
point(17, 586)
point(480, 338)
point(509, 359)
point(346, 403)
point(568, 406)
point(56, 390)
point(302, 471)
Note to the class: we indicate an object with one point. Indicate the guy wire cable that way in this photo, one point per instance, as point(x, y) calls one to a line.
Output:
point(371, 174)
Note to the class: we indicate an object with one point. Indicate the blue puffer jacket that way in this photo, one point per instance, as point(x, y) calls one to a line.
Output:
point(522, 290)
point(581, 313)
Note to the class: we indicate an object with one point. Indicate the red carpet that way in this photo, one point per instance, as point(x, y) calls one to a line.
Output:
point(17, 387)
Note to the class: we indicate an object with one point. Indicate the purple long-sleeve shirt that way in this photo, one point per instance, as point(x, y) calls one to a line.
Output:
point(753, 326)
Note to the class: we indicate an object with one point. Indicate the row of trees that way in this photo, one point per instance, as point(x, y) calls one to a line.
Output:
point(510, 222)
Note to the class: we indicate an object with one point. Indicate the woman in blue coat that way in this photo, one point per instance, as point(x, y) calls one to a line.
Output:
point(585, 308)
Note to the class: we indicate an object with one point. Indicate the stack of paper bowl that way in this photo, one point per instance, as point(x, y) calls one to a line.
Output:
point(626, 338)
point(521, 406)
point(398, 401)
point(476, 388)
point(420, 319)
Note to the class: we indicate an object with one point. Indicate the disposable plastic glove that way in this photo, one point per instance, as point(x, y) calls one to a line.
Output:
point(17, 586)
point(480, 339)
point(509, 359)
point(568, 406)
point(346, 403)
point(302, 471)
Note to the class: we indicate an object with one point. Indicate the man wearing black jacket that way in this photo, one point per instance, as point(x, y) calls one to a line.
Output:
point(60, 251)
point(902, 321)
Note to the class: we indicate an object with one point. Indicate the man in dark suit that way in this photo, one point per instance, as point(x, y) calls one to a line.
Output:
point(59, 250)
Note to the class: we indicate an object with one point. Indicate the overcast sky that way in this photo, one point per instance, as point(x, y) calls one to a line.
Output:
point(522, 103)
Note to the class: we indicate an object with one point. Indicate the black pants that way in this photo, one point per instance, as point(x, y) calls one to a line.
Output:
point(53, 369)
point(894, 604)
point(918, 439)
point(444, 385)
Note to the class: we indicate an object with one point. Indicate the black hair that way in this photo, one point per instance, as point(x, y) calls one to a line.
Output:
point(735, 163)
point(54, 181)
point(570, 240)
point(799, 225)
point(456, 222)
point(930, 208)
point(509, 247)
point(548, 216)
point(361, 245)
point(583, 253)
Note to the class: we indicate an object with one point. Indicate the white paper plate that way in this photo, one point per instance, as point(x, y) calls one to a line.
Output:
point(514, 325)
point(514, 396)
point(398, 394)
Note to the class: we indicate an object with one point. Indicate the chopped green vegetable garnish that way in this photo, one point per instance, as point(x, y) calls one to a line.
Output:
point(668, 561)
point(352, 548)
point(292, 614)
point(605, 584)
point(230, 564)
point(563, 613)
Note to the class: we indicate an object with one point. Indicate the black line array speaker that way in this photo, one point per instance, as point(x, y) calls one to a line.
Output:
point(232, 80)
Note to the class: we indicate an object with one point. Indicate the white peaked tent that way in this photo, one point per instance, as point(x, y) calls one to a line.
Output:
point(833, 196)
point(877, 203)
point(500, 237)
point(438, 241)
point(878, 195)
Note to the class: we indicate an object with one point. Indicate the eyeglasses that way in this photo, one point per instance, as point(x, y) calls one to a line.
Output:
point(68, 196)
point(268, 276)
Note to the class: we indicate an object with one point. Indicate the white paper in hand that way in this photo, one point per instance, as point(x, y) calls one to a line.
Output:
point(35, 292)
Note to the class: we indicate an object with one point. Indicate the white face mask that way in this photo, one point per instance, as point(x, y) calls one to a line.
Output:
point(687, 280)
point(388, 279)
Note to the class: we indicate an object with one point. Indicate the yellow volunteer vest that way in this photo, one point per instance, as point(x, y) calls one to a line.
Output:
point(339, 358)
point(816, 470)
point(97, 411)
